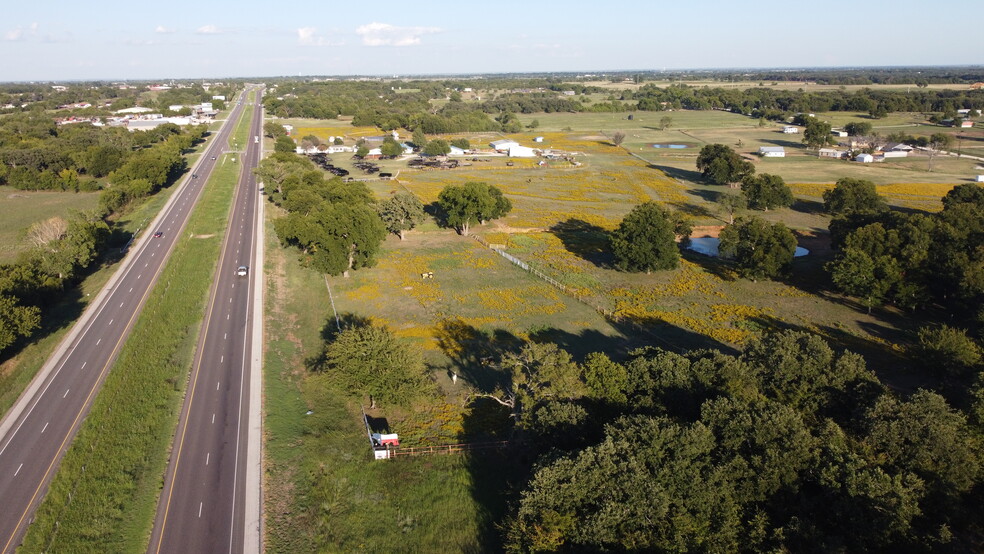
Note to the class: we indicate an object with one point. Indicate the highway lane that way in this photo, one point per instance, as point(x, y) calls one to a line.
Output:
point(202, 505)
point(37, 431)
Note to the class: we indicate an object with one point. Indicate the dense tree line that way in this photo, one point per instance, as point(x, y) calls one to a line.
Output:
point(779, 104)
point(334, 224)
point(408, 104)
point(912, 260)
point(35, 154)
point(788, 446)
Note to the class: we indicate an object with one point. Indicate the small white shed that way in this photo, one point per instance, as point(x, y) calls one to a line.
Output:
point(790, 130)
point(864, 158)
point(772, 152)
point(980, 178)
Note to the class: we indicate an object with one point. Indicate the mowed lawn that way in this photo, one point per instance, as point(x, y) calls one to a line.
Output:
point(20, 209)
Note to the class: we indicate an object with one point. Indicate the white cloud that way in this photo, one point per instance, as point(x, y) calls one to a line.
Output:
point(163, 30)
point(22, 33)
point(384, 34)
point(208, 30)
point(308, 36)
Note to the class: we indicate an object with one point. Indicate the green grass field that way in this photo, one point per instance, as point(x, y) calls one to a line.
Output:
point(19, 209)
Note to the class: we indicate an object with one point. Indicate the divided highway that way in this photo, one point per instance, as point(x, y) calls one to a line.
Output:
point(37, 431)
point(206, 498)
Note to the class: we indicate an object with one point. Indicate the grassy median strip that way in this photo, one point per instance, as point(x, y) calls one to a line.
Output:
point(104, 496)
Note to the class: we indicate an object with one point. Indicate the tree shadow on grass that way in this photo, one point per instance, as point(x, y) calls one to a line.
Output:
point(476, 355)
point(440, 216)
point(718, 267)
point(709, 195)
point(811, 207)
point(689, 175)
point(585, 240)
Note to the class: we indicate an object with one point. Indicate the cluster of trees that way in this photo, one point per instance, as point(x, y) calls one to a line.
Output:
point(367, 360)
point(909, 259)
point(470, 204)
point(721, 165)
point(334, 224)
point(61, 251)
point(647, 240)
point(760, 250)
point(35, 154)
point(788, 446)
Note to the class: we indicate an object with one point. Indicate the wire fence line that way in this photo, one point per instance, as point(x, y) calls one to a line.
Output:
point(446, 448)
point(610, 314)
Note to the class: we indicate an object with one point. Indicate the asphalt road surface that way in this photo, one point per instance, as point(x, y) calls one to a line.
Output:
point(37, 431)
point(202, 505)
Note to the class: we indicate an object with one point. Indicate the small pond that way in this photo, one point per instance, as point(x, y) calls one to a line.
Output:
point(674, 146)
point(708, 246)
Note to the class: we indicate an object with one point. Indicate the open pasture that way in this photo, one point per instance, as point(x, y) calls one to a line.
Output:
point(558, 223)
point(471, 286)
point(19, 209)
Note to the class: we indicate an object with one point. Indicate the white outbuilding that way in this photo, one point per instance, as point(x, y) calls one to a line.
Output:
point(521, 152)
point(980, 178)
point(791, 129)
point(772, 152)
point(864, 158)
point(503, 145)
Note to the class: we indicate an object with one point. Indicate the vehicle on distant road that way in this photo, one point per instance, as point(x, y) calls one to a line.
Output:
point(194, 175)
point(242, 271)
point(158, 235)
point(213, 157)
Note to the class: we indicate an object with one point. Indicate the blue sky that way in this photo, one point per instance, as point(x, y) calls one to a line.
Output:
point(58, 40)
